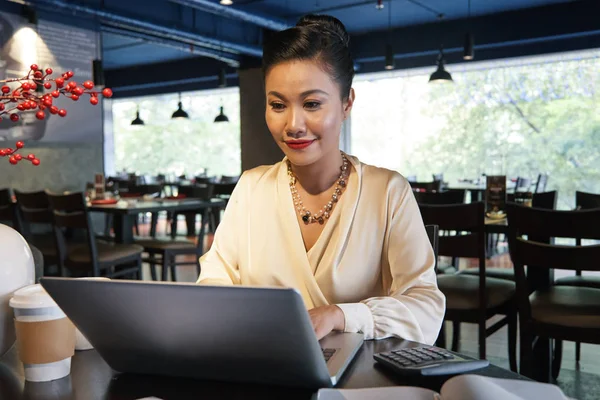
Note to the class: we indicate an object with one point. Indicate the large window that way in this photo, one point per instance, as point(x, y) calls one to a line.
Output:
point(518, 117)
point(178, 146)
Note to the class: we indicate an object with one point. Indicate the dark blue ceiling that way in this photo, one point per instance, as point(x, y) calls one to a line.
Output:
point(138, 33)
point(359, 16)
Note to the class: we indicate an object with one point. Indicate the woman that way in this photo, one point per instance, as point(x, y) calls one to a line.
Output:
point(348, 236)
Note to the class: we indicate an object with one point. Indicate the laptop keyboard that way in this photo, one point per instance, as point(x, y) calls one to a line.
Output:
point(328, 353)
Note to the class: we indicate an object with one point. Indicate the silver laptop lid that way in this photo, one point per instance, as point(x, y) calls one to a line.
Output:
point(225, 333)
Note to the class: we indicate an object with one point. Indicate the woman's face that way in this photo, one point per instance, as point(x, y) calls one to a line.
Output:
point(305, 111)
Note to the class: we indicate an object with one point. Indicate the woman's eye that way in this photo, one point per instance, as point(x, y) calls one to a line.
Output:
point(277, 106)
point(312, 105)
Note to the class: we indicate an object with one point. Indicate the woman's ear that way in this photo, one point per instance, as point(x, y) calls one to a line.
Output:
point(349, 103)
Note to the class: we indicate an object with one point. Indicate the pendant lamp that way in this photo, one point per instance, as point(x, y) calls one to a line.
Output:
point(137, 120)
point(179, 113)
point(221, 117)
point(440, 75)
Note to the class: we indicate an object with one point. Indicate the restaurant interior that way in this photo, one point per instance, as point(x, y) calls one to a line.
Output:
point(489, 108)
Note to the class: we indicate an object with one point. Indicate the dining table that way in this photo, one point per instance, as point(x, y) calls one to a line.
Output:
point(125, 211)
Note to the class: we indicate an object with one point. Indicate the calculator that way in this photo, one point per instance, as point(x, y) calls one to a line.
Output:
point(427, 361)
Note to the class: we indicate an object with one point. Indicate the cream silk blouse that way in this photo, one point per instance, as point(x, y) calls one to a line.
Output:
point(373, 258)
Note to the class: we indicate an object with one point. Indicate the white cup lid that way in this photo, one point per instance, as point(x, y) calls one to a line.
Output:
point(32, 296)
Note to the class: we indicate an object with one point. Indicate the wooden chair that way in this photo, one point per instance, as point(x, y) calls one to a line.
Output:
point(34, 210)
point(470, 298)
point(201, 192)
point(8, 211)
point(164, 251)
point(583, 201)
point(448, 197)
point(540, 184)
point(561, 312)
point(522, 183)
point(94, 258)
point(546, 200)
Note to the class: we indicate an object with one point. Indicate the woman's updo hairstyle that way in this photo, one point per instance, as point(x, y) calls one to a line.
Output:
point(320, 38)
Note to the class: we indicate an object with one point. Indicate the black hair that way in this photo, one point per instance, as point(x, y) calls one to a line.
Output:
point(321, 38)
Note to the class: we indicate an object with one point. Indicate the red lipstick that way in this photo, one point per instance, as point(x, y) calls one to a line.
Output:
point(298, 144)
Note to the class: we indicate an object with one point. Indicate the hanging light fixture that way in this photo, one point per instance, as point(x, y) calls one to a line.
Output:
point(379, 5)
point(221, 117)
point(469, 49)
point(389, 50)
point(179, 113)
point(137, 120)
point(440, 75)
point(226, 2)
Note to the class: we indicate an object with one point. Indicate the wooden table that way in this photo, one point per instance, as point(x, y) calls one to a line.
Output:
point(91, 378)
point(125, 212)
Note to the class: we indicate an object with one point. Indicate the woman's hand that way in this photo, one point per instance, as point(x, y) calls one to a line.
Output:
point(326, 319)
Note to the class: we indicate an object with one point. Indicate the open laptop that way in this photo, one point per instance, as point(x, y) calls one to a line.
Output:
point(231, 333)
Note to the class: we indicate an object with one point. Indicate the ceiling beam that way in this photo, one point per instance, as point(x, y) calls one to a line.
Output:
point(539, 30)
point(150, 29)
point(265, 21)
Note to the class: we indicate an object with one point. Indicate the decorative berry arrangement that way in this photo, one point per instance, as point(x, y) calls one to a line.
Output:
point(29, 96)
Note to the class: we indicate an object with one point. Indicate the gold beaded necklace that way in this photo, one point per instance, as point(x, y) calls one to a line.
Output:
point(325, 212)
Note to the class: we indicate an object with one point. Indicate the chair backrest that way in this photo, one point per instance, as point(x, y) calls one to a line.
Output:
point(434, 186)
point(34, 210)
point(70, 212)
point(204, 179)
point(527, 223)
point(546, 200)
point(467, 219)
point(8, 211)
point(438, 177)
point(433, 233)
point(34, 207)
point(522, 183)
point(6, 206)
point(542, 181)
point(448, 197)
point(203, 191)
point(537, 222)
point(586, 201)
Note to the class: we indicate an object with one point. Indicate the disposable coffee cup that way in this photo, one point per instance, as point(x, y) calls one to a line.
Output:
point(81, 342)
point(45, 336)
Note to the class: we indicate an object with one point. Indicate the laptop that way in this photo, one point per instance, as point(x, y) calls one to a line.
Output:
point(232, 333)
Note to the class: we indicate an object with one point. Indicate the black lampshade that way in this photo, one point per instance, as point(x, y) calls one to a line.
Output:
point(440, 74)
point(389, 57)
point(137, 120)
point(179, 113)
point(221, 117)
point(469, 50)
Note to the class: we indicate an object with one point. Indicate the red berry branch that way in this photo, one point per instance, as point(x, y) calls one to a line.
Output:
point(26, 98)
point(14, 158)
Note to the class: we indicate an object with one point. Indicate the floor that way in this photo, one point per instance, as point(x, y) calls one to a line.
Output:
point(577, 380)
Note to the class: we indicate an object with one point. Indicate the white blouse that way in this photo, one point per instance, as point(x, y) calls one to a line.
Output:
point(373, 258)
